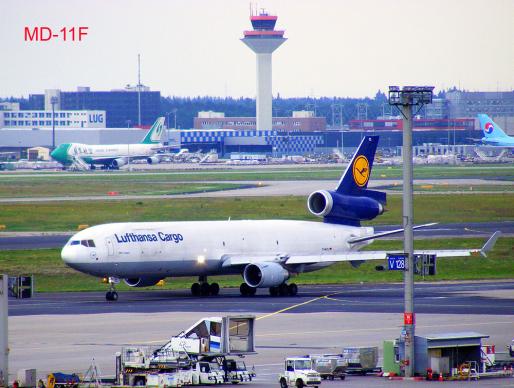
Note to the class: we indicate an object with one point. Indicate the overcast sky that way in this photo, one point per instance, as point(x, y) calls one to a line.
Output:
point(191, 47)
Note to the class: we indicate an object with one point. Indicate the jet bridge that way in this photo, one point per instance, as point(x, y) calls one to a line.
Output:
point(214, 336)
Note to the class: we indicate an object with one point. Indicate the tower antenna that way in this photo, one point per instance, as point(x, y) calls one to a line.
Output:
point(139, 89)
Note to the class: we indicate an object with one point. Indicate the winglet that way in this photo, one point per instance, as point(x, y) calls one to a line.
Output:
point(490, 243)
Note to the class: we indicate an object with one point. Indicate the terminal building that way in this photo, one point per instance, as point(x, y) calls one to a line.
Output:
point(302, 121)
point(38, 119)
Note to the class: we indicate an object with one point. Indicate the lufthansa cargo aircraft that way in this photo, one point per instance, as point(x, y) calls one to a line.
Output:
point(267, 253)
point(112, 156)
point(493, 134)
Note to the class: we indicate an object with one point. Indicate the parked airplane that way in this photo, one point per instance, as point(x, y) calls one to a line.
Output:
point(266, 253)
point(85, 156)
point(493, 134)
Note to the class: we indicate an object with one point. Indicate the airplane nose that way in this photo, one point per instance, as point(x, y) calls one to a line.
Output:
point(69, 254)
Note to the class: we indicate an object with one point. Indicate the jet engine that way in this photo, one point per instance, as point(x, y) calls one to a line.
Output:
point(141, 282)
point(262, 275)
point(116, 163)
point(334, 206)
point(153, 160)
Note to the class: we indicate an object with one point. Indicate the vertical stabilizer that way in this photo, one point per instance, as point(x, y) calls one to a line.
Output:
point(489, 127)
point(356, 176)
point(155, 133)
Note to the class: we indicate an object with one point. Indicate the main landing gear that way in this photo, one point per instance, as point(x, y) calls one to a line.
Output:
point(282, 290)
point(202, 288)
point(111, 295)
point(246, 290)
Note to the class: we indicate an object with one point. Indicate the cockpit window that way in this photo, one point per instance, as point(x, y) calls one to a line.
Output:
point(75, 242)
point(91, 243)
point(84, 242)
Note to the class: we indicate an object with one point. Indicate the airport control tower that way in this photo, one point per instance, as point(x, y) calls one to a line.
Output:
point(263, 40)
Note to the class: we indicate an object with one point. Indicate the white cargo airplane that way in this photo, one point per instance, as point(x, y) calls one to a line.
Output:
point(111, 156)
point(265, 252)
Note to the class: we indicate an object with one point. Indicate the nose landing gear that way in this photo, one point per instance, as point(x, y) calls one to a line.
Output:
point(112, 295)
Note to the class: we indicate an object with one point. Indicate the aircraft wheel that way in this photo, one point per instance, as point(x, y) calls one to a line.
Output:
point(214, 289)
point(283, 289)
point(195, 289)
point(292, 289)
point(111, 296)
point(273, 291)
point(204, 289)
point(246, 290)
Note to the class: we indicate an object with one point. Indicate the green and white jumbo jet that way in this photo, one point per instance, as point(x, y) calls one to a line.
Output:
point(111, 156)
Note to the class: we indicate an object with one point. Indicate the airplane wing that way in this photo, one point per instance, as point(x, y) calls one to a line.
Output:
point(357, 256)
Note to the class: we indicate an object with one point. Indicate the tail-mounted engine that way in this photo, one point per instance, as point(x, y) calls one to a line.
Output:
point(349, 209)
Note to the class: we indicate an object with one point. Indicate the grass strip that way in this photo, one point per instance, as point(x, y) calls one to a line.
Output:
point(67, 215)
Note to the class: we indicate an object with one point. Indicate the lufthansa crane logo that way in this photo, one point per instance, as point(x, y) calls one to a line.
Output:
point(361, 171)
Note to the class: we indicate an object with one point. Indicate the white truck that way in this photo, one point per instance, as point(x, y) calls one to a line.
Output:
point(299, 373)
point(207, 373)
point(236, 371)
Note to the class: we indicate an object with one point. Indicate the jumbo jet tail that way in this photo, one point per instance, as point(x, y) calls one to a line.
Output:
point(154, 134)
point(489, 127)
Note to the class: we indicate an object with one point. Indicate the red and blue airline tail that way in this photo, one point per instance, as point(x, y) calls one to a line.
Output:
point(490, 128)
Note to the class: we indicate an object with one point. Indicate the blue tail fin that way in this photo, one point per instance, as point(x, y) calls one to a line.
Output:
point(489, 127)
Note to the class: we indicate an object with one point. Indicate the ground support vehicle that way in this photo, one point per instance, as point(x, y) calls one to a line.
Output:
point(207, 373)
point(236, 371)
point(299, 373)
point(329, 366)
point(361, 360)
point(137, 366)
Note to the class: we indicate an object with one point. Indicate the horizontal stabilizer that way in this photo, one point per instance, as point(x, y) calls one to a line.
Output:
point(388, 233)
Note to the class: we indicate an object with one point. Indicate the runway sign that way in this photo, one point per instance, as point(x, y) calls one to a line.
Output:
point(397, 261)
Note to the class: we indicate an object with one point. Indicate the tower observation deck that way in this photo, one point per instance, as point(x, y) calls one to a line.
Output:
point(263, 40)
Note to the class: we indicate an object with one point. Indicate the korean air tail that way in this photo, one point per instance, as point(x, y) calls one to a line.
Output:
point(356, 176)
point(155, 133)
point(490, 128)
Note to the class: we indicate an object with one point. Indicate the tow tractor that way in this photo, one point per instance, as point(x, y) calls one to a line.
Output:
point(299, 373)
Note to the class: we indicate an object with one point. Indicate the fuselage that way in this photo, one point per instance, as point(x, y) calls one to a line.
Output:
point(174, 249)
point(92, 154)
point(503, 141)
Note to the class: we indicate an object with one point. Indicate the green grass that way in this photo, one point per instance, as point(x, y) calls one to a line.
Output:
point(52, 274)
point(30, 187)
point(304, 172)
point(430, 188)
point(64, 216)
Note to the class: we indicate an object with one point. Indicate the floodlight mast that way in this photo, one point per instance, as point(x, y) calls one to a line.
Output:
point(405, 99)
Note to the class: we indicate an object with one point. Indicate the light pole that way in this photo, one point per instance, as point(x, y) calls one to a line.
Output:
point(405, 99)
point(174, 110)
point(53, 101)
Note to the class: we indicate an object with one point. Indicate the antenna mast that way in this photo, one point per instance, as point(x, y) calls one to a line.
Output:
point(139, 89)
